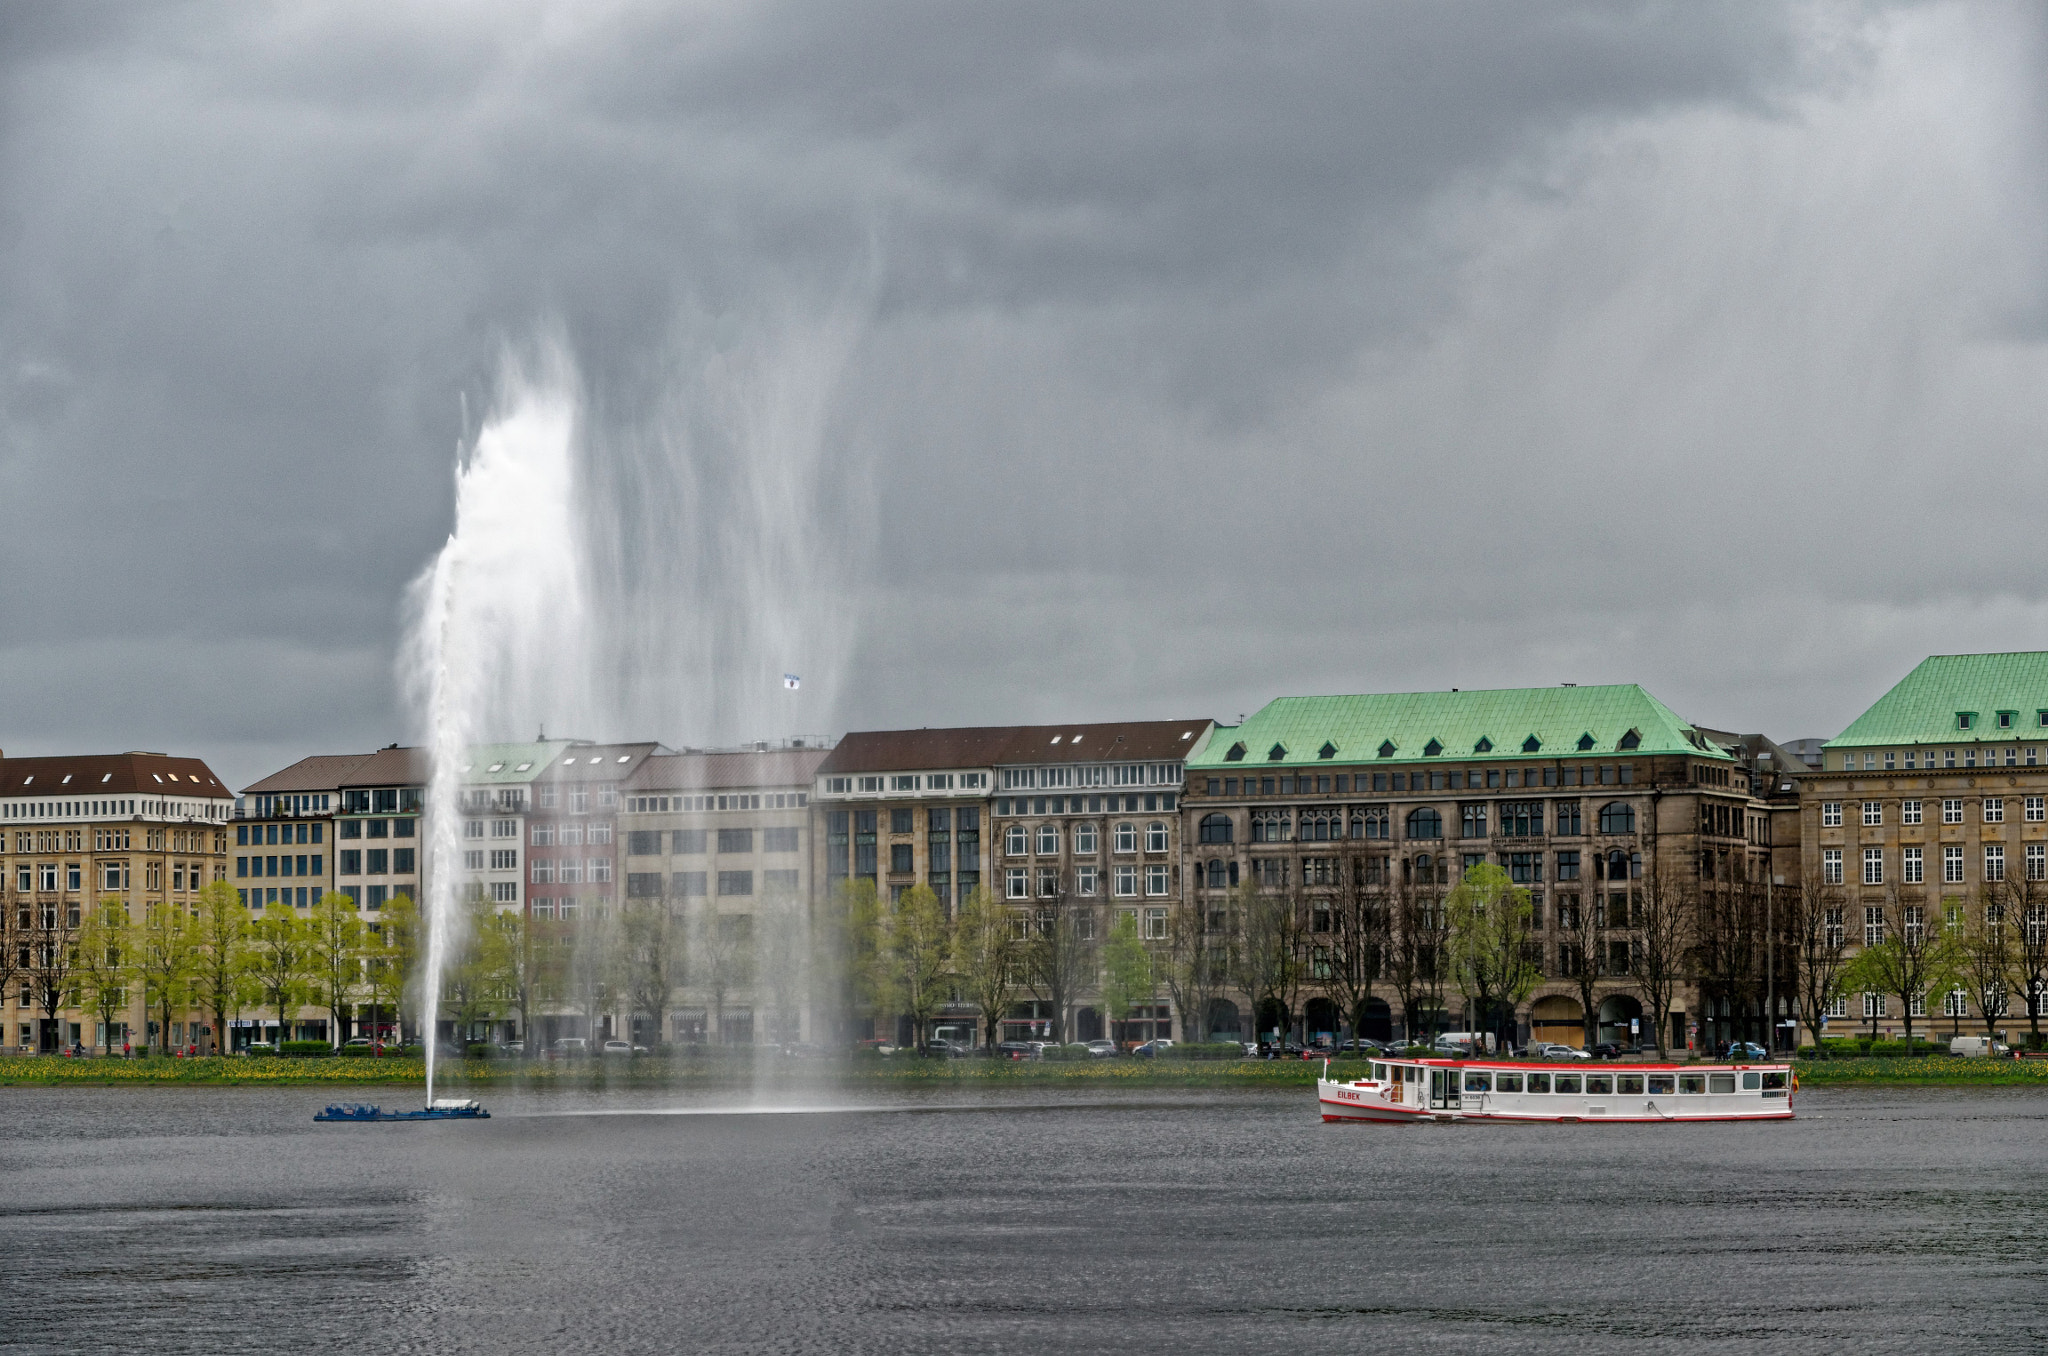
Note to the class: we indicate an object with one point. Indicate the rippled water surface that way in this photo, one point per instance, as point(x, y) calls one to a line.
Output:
point(217, 1220)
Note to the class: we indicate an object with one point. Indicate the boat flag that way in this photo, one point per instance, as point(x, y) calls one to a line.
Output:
point(791, 681)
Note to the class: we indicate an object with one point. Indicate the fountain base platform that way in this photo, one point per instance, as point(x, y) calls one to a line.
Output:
point(441, 1109)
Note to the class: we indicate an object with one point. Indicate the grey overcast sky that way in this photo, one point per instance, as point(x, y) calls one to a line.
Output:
point(1104, 360)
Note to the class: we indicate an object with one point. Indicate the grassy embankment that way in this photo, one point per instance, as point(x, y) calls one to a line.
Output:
point(712, 1072)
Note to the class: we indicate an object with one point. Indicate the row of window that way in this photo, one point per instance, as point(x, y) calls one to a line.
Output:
point(1085, 805)
point(261, 835)
point(578, 801)
point(775, 800)
point(906, 781)
point(570, 870)
point(1509, 819)
point(113, 876)
point(1913, 864)
point(375, 862)
point(1923, 759)
point(373, 828)
point(694, 842)
point(1523, 868)
point(1044, 839)
point(2034, 808)
point(1954, 1003)
point(571, 835)
point(1124, 881)
point(1492, 779)
point(695, 884)
point(303, 864)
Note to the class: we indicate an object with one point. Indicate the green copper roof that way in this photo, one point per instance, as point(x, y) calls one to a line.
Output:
point(490, 764)
point(1413, 727)
point(1924, 706)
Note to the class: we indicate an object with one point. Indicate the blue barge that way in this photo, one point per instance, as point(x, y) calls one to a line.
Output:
point(441, 1109)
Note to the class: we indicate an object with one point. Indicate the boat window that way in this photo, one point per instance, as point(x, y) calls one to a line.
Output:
point(1629, 1085)
point(1692, 1082)
point(1567, 1083)
point(1721, 1082)
point(1774, 1085)
point(1477, 1082)
point(1413, 1073)
point(1539, 1082)
point(1660, 1085)
point(1507, 1082)
point(1379, 1073)
point(1752, 1080)
point(1599, 1085)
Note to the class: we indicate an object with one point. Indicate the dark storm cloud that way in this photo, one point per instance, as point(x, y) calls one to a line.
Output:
point(1204, 353)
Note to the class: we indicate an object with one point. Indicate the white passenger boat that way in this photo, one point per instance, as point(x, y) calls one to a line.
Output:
point(1514, 1090)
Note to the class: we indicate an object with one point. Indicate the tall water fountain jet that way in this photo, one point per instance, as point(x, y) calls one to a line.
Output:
point(496, 640)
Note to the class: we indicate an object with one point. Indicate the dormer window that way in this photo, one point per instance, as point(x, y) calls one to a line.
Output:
point(1629, 741)
point(2006, 719)
point(1387, 749)
point(1328, 750)
point(1484, 745)
point(1276, 753)
point(1965, 719)
point(1432, 749)
point(1585, 742)
point(1532, 745)
point(1236, 754)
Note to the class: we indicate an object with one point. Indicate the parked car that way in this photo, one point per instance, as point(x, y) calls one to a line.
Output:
point(514, 1047)
point(1609, 1050)
point(1747, 1050)
point(1101, 1049)
point(1150, 1049)
point(941, 1047)
point(624, 1048)
point(1016, 1050)
point(570, 1047)
point(1364, 1045)
point(1552, 1050)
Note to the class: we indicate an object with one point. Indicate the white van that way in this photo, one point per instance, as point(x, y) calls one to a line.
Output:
point(1977, 1046)
point(1466, 1042)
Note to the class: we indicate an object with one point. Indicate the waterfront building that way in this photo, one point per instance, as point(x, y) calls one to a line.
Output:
point(715, 854)
point(1931, 807)
point(377, 839)
point(1623, 821)
point(497, 796)
point(143, 830)
point(1053, 819)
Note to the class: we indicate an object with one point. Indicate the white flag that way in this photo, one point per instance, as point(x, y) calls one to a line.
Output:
point(791, 681)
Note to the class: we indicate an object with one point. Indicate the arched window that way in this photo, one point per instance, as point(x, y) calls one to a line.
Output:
point(1616, 865)
point(1084, 839)
point(1216, 874)
point(1428, 870)
point(1126, 838)
point(1217, 829)
point(1155, 836)
point(1048, 840)
point(1014, 840)
point(1425, 823)
point(1617, 817)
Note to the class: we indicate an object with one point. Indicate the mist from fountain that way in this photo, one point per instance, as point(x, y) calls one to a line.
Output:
point(648, 577)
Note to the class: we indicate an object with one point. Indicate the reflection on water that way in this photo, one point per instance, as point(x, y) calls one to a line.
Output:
point(178, 1220)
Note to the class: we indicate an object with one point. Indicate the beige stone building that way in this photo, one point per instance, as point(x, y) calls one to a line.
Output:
point(145, 829)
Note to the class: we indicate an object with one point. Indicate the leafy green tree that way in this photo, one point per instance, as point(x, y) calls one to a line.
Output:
point(515, 954)
point(1915, 955)
point(853, 929)
point(169, 959)
point(393, 975)
point(280, 963)
point(223, 957)
point(782, 951)
point(920, 951)
point(1060, 952)
point(1987, 951)
point(472, 986)
point(1127, 977)
point(1490, 922)
point(988, 957)
point(334, 961)
point(105, 964)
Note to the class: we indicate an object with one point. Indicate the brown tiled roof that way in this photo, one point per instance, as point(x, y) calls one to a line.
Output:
point(703, 771)
point(599, 762)
point(111, 774)
point(394, 766)
point(999, 745)
point(321, 772)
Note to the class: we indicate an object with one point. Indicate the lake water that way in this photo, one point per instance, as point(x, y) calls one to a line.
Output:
point(223, 1220)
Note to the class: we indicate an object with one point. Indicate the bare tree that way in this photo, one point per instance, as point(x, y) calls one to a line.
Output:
point(52, 936)
point(1060, 955)
point(14, 945)
point(1419, 954)
point(1582, 955)
point(654, 959)
point(2030, 949)
point(1269, 952)
point(1819, 939)
point(1357, 942)
point(782, 955)
point(1664, 931)
point(1190, 964)
point(988, 956)
point(1987, 951)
